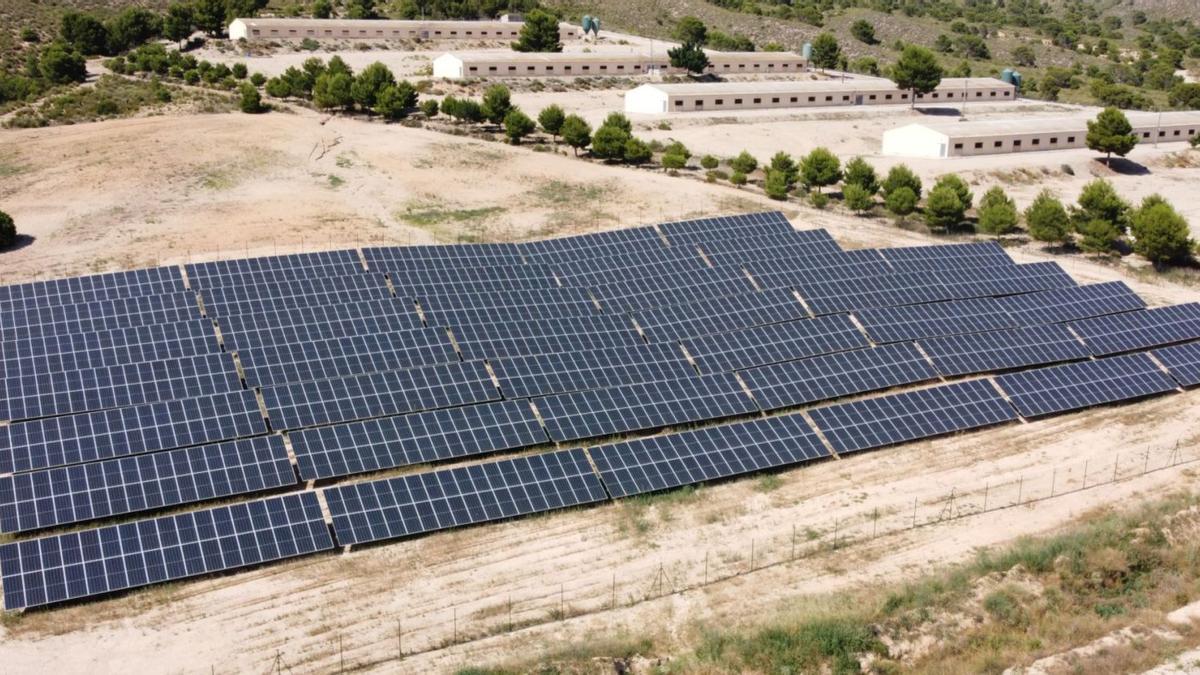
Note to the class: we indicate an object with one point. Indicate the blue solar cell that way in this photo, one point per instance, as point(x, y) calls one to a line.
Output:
point(1182, 362)
point(525, 376)
point(1069, 304)
point(314, 303)
point(651, 405)
point(640, 294)
point(898, 324)
point(674, 460)
point(1137, 330)
point(720, 315)
point(318, 323)
point(979, 282)
point(435, 256)
point(946, 256)
point(307, 404)
point(278, 276)
point(390, 442)
point(73, 494)
point(118, 557)
point(725, 227)
point(907, 416)
point(1057, 389)
point(595, 245)
point(451, 310)
point(774, 343)
point(793, 383)
point(93, 436)
point(588, 278)
point(479, 341)
point(92, 288)
point(61, 393)
point(1003, 349)
point(792, 271)
point(310, 290)
point(798, 243)
point(138, 310)
point(426, 502)
point(318, 263)
point(638, 262)
point(338, 357)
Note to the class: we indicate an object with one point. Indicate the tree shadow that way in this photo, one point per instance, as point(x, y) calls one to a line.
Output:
point(1126, 167)
point(19, 243)
point(940, 112)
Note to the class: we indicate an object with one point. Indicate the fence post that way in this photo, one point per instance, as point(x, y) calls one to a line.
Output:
point(562, 607)
point(454, 640)
point(914, 520)
point(1085, 468)
point(1053, 480)
point(341, 655)
point(614, 592)
point(751, 555)
point(706, 568)
point(835, 533)
point(874, 522)
point(1146, 467)
point(986, 486)
point(1020, 488)
point(399, 639)
point(1116, 463)
point(793, 556)
point(510, 623)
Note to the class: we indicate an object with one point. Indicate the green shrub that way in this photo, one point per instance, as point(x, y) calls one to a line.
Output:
point(1160, 234)
point(857, 198)
point(944, 209)
point(819, 200)
point(709, 162)
point(901, 200)
point(8, 230)
point(744, 163)
point(738, 178)
point(429, 108)
point(637, 152)
point(901, 176)
point(1047, 219)
point(997, 212)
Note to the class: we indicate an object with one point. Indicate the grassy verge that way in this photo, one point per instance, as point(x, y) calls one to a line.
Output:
point(1110, 573)
point(115, 97)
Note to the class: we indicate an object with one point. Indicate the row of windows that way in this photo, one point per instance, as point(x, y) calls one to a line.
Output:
point(1070, 139)
point(952, 94)
point(408, 32)
point(566, 68)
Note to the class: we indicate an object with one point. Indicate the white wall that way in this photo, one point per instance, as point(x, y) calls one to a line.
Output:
point(238, 30)
point(448, 66)
point(647, 100)
point(915, 140)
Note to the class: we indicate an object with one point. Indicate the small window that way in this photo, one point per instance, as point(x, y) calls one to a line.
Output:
point(758, 100)
point(958, 146)
point(1145, 134)
point(757, 65)
point(530, 68)
point(903, 97)
point(549, 69)
point(1191, 132)
point(935, 94)
point(793, 100)
point(512, 68)
point(473, 69)
point(830, 98)
point(1161, 134)
point(678, 103)
point(699, 103)
point(872, 97)
point(587, 67)
point(1007, 93)
point(619, 67)
point(978, 145)
point(1053, 140)
point(886, 97)
point(776, 100)
point(998, 144)
point(844, 98)
point(979, 94)
point(737, 101)
point(741, 65)
point(719, 101)
point(993, 94)
point(1176, 132)
point(812, 99)
point(603, 67)
point(567, 68)
point(1017, 143)
point(1037, 141)
point(1070, 139)
point(491, 69)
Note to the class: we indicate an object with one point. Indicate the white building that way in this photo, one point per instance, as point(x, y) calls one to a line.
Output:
point(507, 28)
point(658, 99)
point(990, 137)
point(458, 65)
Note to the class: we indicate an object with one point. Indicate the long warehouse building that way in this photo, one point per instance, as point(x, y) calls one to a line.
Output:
point(459, 65)
point(991, 137)
point(379, 29)
point(657, 99)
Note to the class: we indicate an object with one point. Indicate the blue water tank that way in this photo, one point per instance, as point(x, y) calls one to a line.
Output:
point(806, 52)
point(1006, 76)
point(586, 24)
point(1017, 80)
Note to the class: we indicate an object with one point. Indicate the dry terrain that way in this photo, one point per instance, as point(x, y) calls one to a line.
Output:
point(170, 189)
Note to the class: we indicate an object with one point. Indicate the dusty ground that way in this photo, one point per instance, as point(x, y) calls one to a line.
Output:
point(134, 192)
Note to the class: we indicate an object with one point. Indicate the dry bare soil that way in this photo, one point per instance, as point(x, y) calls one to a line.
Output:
point(170, 189)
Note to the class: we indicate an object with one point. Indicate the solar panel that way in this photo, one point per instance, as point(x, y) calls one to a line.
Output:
point(446, 310)
point(338, 357)
point(132, 311)
point(897, 324)
point(92, 288)
point(458, 255)
point(537, 375)
point(594, 244)
point(306, 404)
point(889, 290)
point(76, 391)
point(640, 294)
point(97, 325)
point(1003, 349)
point(426, 502)
point(1182, 362)
point(793, 383)
point(1137, 330)
point(674, 460)
point(725, 227)
point(978, 282)
point(74, 494)
point(317, 263)
point(390, 442)
point(485, 276)
point(318, 323)
point(1068, 304)
point(478, 341)
point(774, 343)
point(788, 272)
point(358, 285)
point(720, 315)
point(604, 277)
point(945, 256)
point(1056, 389)
point(791, 243)
point(118, 432)
point(301, 303)
point(85, 351)
point(907, 416)
point(634, 259)
point(649, 405)
point(119, 557)
point(276, 277)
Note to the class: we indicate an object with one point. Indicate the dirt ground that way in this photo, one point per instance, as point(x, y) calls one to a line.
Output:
point(170, 189)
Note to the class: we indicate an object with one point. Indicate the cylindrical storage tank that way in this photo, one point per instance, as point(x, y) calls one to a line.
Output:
point(1006, 76)
point(806, 51)
point(1017, 80)
point(586, 24)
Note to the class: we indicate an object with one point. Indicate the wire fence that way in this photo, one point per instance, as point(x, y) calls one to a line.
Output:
point(504, 611)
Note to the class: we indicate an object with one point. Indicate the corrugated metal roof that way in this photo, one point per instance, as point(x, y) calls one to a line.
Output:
point(1037, 125)
point(810, 86)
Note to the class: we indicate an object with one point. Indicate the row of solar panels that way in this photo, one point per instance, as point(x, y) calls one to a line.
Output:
point(196, 366)
point(97, 561)
point(399, 418)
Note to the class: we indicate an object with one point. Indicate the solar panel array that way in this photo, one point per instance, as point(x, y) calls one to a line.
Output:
point(130, 393)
